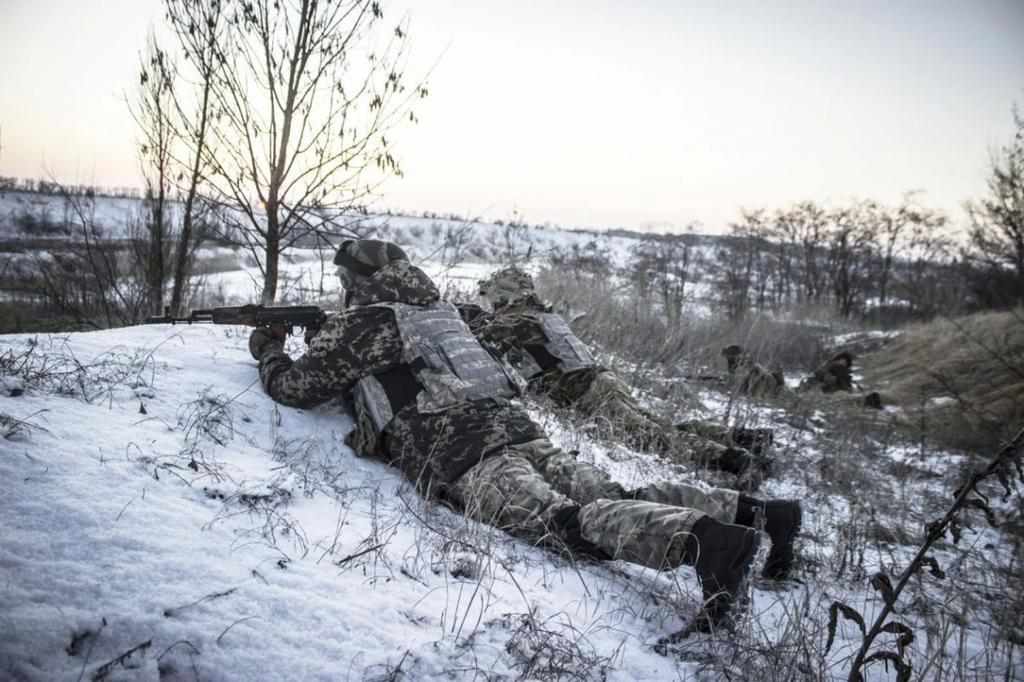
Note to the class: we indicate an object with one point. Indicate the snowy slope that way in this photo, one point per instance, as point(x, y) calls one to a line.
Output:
point(158, 504)
point(216, 527)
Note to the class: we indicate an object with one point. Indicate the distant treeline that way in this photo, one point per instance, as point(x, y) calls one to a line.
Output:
point(49, 187)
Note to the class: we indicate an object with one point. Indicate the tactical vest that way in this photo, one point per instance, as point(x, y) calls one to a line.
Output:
point(572, 354)
point(448, 363)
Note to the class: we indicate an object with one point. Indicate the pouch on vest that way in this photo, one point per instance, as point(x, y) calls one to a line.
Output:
point(572, 353)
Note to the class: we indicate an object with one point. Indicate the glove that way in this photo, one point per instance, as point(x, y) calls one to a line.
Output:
point(262, 337)
point(310, 333)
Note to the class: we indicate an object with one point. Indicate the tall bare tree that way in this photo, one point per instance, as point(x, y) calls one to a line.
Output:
point(997, 221)
point(895, 229)
point(303, 104)
point(849, 247)
point(804, 226)
point(200, 28)
point(153, 111)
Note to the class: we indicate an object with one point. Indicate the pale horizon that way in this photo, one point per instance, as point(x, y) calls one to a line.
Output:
point(656, 114)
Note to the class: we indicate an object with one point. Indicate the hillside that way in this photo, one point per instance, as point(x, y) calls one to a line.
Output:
point(31, 215)
point(964, 376)
point(166, 520)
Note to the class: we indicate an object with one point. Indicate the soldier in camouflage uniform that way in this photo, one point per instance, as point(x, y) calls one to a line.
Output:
point(756, 440)
point(834, 375)
point(752, 378)
point(557, 364)
point(431, 401)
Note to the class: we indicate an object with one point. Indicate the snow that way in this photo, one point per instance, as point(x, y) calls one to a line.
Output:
point(147, 519)
point(843, 339)
point(156, 496)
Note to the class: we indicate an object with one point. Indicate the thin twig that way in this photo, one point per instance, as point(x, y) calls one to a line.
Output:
point(240, 620)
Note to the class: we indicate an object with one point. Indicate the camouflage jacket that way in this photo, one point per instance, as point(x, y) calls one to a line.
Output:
point(516, 332)
point(432, 450)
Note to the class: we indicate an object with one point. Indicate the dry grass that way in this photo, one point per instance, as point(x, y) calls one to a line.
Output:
point(962, 380)
point(616, 320)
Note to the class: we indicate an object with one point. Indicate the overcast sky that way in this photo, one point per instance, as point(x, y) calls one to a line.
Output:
point(600, 113)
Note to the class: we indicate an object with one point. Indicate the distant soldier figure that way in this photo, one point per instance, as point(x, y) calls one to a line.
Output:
point(557, 364)
point(834, 375)
point(756, 440)
point(432, 402)
point(749, 377)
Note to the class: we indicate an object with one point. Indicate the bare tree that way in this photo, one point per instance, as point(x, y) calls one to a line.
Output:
point(152, 112)
point(737, 268)
point(928, 278)
point(804, 227)
point(997, 221)
point(92, 278)
point(850, 239)
point(894, 228)
point(304, 102)
point(667, 264)
point(201, 30)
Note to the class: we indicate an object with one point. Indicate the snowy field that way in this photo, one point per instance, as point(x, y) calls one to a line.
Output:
point(164, 499)
point(164, 519)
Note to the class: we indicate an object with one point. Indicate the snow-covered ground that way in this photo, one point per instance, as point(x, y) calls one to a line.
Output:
point(164, 519)
point(162, 498)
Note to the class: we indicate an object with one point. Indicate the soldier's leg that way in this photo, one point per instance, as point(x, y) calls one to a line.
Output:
point(719, 503)
point(782, 518)
point(697, 450)
point(505, 491)
point(663, 537)
point(579, 481)
point(609, 401)
point(730, 443)
point(643, 532)
point(706, 429)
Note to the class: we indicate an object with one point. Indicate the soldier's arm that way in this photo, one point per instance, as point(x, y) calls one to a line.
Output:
point(348, 346)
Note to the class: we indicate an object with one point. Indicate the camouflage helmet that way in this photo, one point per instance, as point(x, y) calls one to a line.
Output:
point(506, 286)
point(366, 256)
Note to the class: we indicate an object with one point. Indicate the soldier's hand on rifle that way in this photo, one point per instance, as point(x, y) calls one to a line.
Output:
point(262, 337)
point(310, 333)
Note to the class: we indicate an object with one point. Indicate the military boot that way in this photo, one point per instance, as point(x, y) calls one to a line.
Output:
point(758, 441)
point(782, 523)
point(734, 461)
point(750, 470)
point(722, 554)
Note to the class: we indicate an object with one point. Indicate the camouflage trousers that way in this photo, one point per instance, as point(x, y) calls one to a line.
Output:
point(756, 440)
point(756, 381)
point(522, 491)
point(608, 402)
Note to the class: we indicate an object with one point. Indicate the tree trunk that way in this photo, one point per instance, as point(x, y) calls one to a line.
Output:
point(181, 259)
point(272, 253)
point(155, 257)
point(183, 256)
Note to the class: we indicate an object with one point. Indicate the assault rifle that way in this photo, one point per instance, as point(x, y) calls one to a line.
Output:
point(309, 317)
